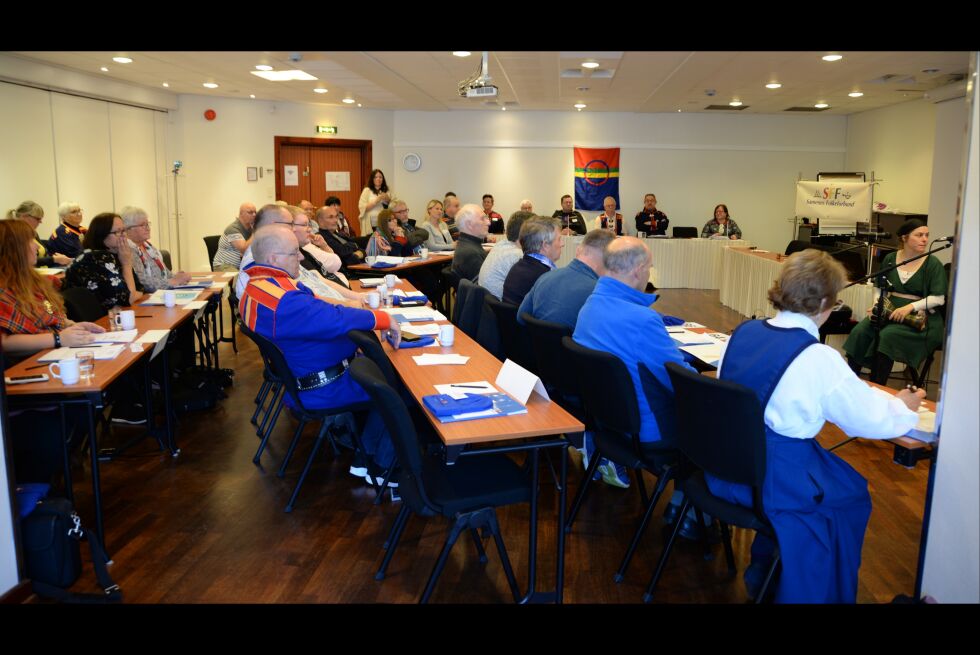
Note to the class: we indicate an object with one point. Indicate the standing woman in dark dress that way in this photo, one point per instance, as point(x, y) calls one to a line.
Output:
point(919, 286)
point(105, 266)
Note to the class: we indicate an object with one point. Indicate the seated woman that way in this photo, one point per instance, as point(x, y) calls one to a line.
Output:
point(105, 266)
point(439, 237)
point(147, 261)
point(389, 238)
point(32, 214)
point(67, 237)
point(818, 505)
point(32, 318)
point(919, 287)
point(721, 225)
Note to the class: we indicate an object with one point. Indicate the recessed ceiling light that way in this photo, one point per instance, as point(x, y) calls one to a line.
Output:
point(774, 85)
point(166, 85)
point(104, 69)
point(735, 103)
point(462, 53)
point(252, 96)
point(122, 60)
point(319, 89)
point(580, 105)
point(855, 94)
point(210, 85)
point(590, 64)
point(832, 57)
point(348, 101)
point(678, 111)
point(503, 109)
point(821, 105)
point(284, 76)
point(263, 67)
point(358, 104)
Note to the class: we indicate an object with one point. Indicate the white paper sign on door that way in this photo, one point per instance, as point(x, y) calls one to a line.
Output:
point(338, 181)
point(290, 175)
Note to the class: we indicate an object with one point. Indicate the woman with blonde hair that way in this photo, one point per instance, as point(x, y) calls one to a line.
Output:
point(32, 214)
point(439, 237)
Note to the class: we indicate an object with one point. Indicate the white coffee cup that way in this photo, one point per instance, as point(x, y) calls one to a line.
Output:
point(391, 280)
point(370, 260)
point(374, 299)
point(424, 253)
point(126, 319)
point(69, 370)
point(447, 335)
point(169, 298)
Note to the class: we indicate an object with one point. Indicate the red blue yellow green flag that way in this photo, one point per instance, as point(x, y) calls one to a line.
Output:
point(596, 176)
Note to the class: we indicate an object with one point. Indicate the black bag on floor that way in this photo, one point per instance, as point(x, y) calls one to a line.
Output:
point(51, 534)
point(198, 388)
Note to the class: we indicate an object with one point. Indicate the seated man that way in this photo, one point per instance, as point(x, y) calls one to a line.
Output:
point(541, 242)
point(571, 220)
point(450, 208)
point(416, 236)
point(343, 229)
point(618, 301)
point(311, 334)
point(322, 288)
point(503, 256)
point(610, 219)
point(496, 220)
point(650, 219)
point(235, 240)
point(558, 296)
point(342, 245)
point(469, 254)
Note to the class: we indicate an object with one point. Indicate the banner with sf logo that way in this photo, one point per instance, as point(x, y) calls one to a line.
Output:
point(837, 205)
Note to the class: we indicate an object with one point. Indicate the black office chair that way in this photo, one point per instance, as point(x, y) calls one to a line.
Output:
point(211, 243)
point(685, 232)
point(617, 432)
point(466, 314)
point(281, 369)
point(796, 246)
point(729, 442)
point(514, 340)
point(468, 492)
point(448, 281)
point(82, 305)
point(235, 317)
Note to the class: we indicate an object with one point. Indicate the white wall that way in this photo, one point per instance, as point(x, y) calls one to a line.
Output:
point(691, 161)
point(212, 183)
point(947, 165)
point(896, 143)
point(951, 572)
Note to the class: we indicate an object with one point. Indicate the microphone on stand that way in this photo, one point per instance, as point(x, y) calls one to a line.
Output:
point(945, 240)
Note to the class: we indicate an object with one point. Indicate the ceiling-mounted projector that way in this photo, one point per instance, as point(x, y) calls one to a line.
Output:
point(478, 85)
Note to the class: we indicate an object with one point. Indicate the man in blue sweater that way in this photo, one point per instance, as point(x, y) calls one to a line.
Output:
point(618, 319)
point(557, 296)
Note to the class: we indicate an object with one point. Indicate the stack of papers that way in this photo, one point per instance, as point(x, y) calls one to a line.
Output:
point(370, 282)
point(414, 314)
point(182, 297)
point(435, 360)
point(120, 336)
point(100, 351)
point(423, 330)
point(706, 347)
point(385, 259)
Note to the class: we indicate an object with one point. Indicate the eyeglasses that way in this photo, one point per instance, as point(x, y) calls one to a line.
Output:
point(36, 218)
point(116, 233)
point(401, 211)
point(133, 227)
point(294, 253)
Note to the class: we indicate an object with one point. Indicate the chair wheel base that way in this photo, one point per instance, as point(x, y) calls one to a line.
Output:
point(618, 578)
point(289, 509)
point(647, 598)
point(484, 560)
point(379, 576)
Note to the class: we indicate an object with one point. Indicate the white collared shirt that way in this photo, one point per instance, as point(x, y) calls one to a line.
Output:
point(819, 386)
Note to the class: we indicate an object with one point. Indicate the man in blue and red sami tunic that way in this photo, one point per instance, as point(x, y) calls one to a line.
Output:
point(311, 333)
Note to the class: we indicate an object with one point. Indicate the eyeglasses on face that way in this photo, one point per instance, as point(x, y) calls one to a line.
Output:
point(133, 227)
point(116, 233)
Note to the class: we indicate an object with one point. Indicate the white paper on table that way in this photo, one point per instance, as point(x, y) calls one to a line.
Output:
point(520, 382)
point(458, 392)
point(219, 285)
point(121, 336)
point(760, 250)
point(195, 304)
point(230, 274)
point(707, 353)
point(372, 281)
point(433, 360)
point(105, 351)
point(688, 338)
point(136, 347)
point(180, 297)
point(692, 324)
point(153, 336)
point(387, 259)
point(421, 329)
point(422, 313)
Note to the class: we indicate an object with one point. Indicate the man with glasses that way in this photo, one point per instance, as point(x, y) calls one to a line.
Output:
point(312, 335)
point(414, 236)
point(67, 237)
point(343, 228)
point(235, 240)
point(148, 264)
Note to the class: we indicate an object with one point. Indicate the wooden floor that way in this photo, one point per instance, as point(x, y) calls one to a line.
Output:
point(209, 526)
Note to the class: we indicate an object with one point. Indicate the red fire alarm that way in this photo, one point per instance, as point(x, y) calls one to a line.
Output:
point(210, 114)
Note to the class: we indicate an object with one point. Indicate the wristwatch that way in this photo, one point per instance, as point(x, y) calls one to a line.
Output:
point(57, 339)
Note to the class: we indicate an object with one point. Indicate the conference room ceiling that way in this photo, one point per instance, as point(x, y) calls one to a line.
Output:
point(645, 82)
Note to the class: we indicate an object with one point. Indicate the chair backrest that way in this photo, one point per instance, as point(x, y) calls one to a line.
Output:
point(516, 342)
point(685, 233)
point(362, 241)
point(368, 342)
point(398, 423)
point(554, 366)
point(211, 243)
point(606, 387)
point(720, 427)
point(796, 245)
point(166, 259)
point(277, 363)
point(82, 305)
point(661, 402)
point(465, 322)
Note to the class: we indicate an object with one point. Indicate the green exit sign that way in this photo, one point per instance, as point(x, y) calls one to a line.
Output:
point(326, 129)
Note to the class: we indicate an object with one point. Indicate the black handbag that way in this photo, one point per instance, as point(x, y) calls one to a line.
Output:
point(51, 534)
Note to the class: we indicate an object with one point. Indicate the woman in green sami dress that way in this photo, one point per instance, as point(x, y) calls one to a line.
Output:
point(917, 286)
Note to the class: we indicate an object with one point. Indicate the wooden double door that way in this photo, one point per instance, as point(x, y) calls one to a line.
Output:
point(304, 166)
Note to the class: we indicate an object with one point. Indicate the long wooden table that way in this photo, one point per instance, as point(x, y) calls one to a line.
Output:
point(543, 419)
point(434, 259)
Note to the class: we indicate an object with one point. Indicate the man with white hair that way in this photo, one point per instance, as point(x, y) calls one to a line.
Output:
point(67, 237)
point(618, 319)
point(312, 334)
point(469, 255)
point(527, 206)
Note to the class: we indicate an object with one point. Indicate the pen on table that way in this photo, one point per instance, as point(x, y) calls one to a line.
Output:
point(143, 316)
point(31, 368)
point(470, 386)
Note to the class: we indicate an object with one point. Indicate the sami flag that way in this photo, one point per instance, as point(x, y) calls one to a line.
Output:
point(596, 176)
